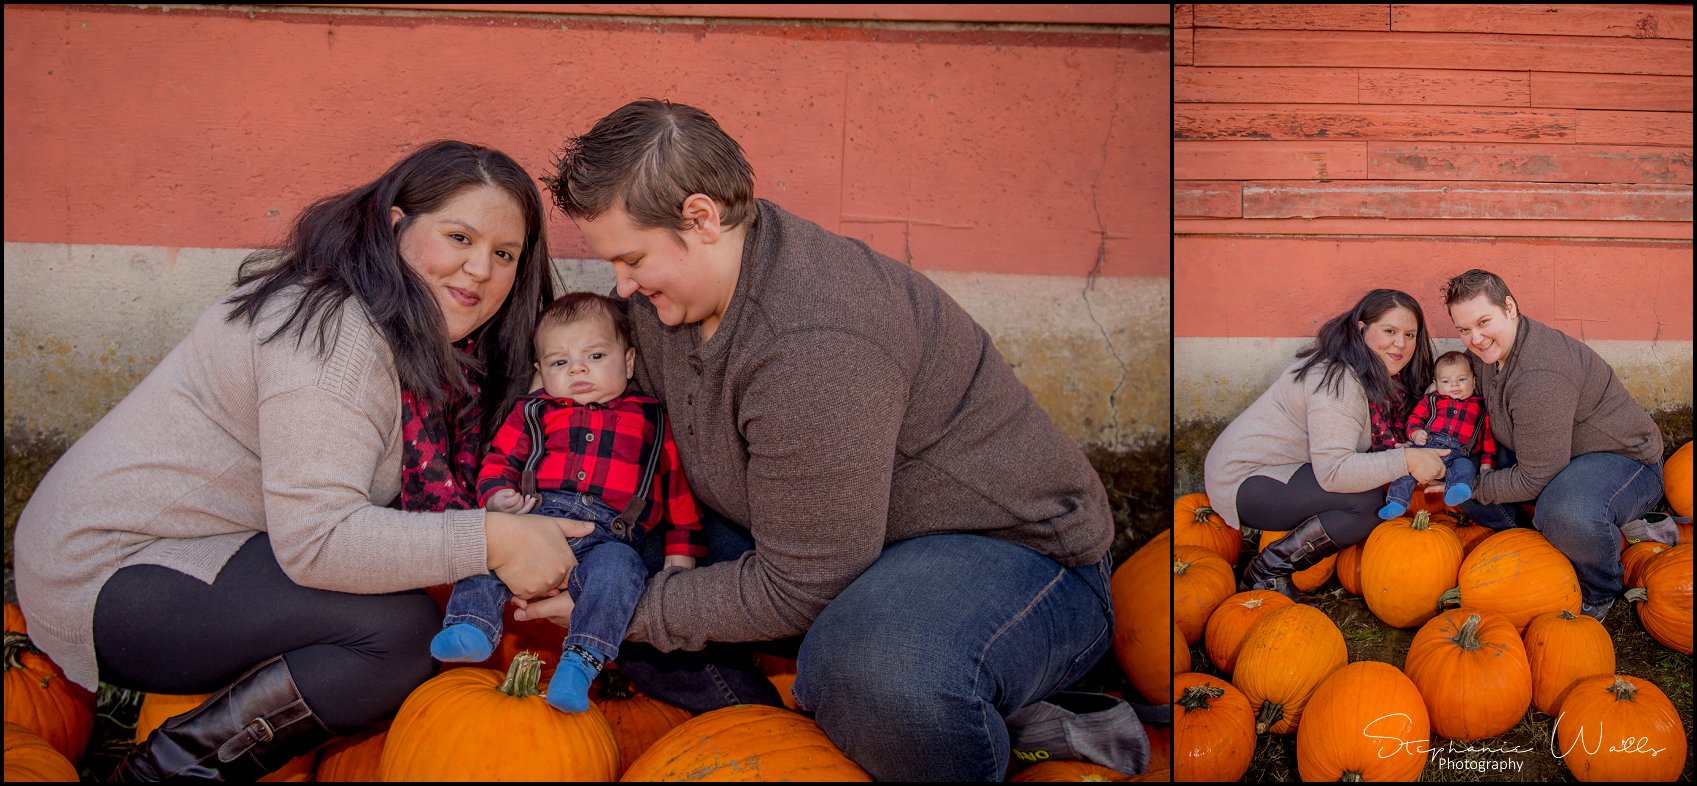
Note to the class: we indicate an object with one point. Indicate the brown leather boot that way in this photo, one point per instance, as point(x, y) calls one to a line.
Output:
point(1303, 548)
point(240, 733)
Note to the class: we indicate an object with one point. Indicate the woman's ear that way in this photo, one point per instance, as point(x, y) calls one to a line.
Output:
point(395, 215)
point(1511, 307)
point(702, 214)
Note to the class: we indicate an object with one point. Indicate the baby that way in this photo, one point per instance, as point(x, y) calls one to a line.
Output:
point(1450, 417)
point(597, 452)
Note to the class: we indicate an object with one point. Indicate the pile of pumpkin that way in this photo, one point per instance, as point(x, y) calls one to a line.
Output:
point(1499, 631)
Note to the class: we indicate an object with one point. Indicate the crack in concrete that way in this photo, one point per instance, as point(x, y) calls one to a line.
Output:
point(1116, 434)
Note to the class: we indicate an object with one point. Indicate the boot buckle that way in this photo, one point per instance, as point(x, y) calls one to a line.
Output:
point(265, 732)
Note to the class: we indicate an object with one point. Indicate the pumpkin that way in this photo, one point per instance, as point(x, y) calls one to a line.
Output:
point(472, 724)
point(1344, 729)
point(1285, 656)
point(1664, 600)
point(1228, 624)
point(1180, 655)
point(156, 708)
point(1518, 574)
point(1310, 578)
point(1636, 556)
point(1406, 565)
point(353, 759)
point(38, 697)
point(1685, 533)
point(748, 742)
point(1471, 536)
point(1471, 667)
point(785, 685)
point(1160, 745)
point(1611, 723)
point(1201, 581)
point(1676, 481)
point(31, 758)
point(637, 719)
point(1213, 729)
point(1561, 649)
point(1065, 771)
point(1349, 568)
point(1143, 618)
point(1196, 524)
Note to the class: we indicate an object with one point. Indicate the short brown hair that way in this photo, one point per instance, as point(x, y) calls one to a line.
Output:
point(1449, 357)
point(1474, 283)
point(653, 154)
point(583, 305)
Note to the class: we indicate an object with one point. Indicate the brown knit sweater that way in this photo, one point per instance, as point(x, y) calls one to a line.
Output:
point(845, 402)
point(1554, 399)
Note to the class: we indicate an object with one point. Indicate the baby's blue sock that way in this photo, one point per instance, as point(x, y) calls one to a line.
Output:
point(1392, 509)
point(1457, 493)
point(461, 643)
point(569, 690)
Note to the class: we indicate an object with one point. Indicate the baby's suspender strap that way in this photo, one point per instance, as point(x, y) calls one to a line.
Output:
point(533, 430)
point(622, 525)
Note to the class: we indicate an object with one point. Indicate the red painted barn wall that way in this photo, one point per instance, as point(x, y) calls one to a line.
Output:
point(1320, 151)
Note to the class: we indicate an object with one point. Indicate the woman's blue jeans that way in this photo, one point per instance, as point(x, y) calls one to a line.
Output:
point(911, 669)
point(1581, 512)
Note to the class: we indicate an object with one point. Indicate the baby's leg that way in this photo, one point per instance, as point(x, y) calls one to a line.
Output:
point(605, 585)
point(1460, 476)
point(1397, 496)
point(472, 625)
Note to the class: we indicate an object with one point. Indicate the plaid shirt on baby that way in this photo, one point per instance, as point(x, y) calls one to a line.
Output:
point(597, 449)
point(1465, 419)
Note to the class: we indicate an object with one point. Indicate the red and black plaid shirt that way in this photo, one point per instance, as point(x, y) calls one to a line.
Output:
point(1465, 419)
point(597, 449)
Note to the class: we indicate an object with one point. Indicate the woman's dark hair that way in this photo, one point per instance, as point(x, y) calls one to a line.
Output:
point(1340, 345)
point(347, 245)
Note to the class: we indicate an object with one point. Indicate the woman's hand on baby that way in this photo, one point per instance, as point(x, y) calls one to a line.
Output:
point(511, 501)
point(554, 606)
point(1425, 464)
point(529, 553)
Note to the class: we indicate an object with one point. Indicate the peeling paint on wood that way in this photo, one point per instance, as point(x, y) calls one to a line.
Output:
point(1543, 163)
point(1386, 199)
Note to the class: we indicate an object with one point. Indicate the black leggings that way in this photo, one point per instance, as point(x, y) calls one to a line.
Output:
point(1266, 504)
point(354, 657)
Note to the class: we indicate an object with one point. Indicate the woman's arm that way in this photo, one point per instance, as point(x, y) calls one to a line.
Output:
point(1543, 407)
point(1335, 425)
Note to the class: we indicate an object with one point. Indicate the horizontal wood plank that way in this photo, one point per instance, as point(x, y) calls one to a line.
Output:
point(1611, 91)
point(1184, 46)
point(1294, 16)
point(1390, 199)
point(1522, 163)
point(1435, 227)
point(1270, 160)
point(1265, 85)
point(1472, 51)
point(1184, 15)
point(1292, 122)
point(1434, 86)
point(1602, 127)
point(1203, 199)
point(1626, 21)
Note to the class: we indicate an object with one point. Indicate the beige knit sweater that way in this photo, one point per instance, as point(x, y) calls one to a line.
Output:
point(1295, 423)
point(226, 438)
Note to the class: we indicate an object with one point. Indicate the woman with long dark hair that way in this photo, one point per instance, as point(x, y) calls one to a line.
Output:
point(1311, 454)
point(254, 520)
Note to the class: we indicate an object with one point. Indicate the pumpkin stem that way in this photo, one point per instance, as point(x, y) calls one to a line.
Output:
point(523, 675)
point(1271, 713)
point(614, 684)
point(1566, 615)
point(1468, 637)
point(1451, 596)
point(1179, 567)
point(1196, 697)
point(1253, 603)
point(17, 645)
point(1354, 777)
point(1203, 513)
point(1422, 520)
point(1623, 690)
point(1637, 595)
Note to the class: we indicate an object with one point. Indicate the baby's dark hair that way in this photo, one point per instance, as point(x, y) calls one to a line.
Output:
point(582, 305)
point(1445, 359)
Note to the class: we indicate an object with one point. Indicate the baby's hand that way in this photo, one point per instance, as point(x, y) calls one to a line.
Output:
point(681, 561)
point(510, 501)
point(1418, 437)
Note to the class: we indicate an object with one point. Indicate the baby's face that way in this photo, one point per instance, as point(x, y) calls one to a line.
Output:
point(1455, 380)
point(584, 360)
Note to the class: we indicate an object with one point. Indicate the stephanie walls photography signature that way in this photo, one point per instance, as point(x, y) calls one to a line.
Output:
point(1395, 744)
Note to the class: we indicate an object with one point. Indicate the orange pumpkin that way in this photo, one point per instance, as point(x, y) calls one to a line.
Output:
point(1310, 578)
point(748, 742)
point(1160, 745)
point(1285, 656)
point(1201, 581)
point(1676, 481)
point(1343, 729)
point(1143, 618)
point(1664, 600)
point(31, 758)
point(1213, 729)
point(1349, 568)
point(1471, 536)
point(1636, 556)
point(1609, 725)
point(1180, 655)
point(1518, 574)
point(39, 697)
point(637, 719)
point(1406, 565)
point(1196, 524)
point(472, 725)
point(1230, 622)
point(1561, 649)
point(1471, 667)
point(1064, 771)
point(354, 759)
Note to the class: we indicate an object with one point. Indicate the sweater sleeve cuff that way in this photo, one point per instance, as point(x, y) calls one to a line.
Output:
point(468, 545)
